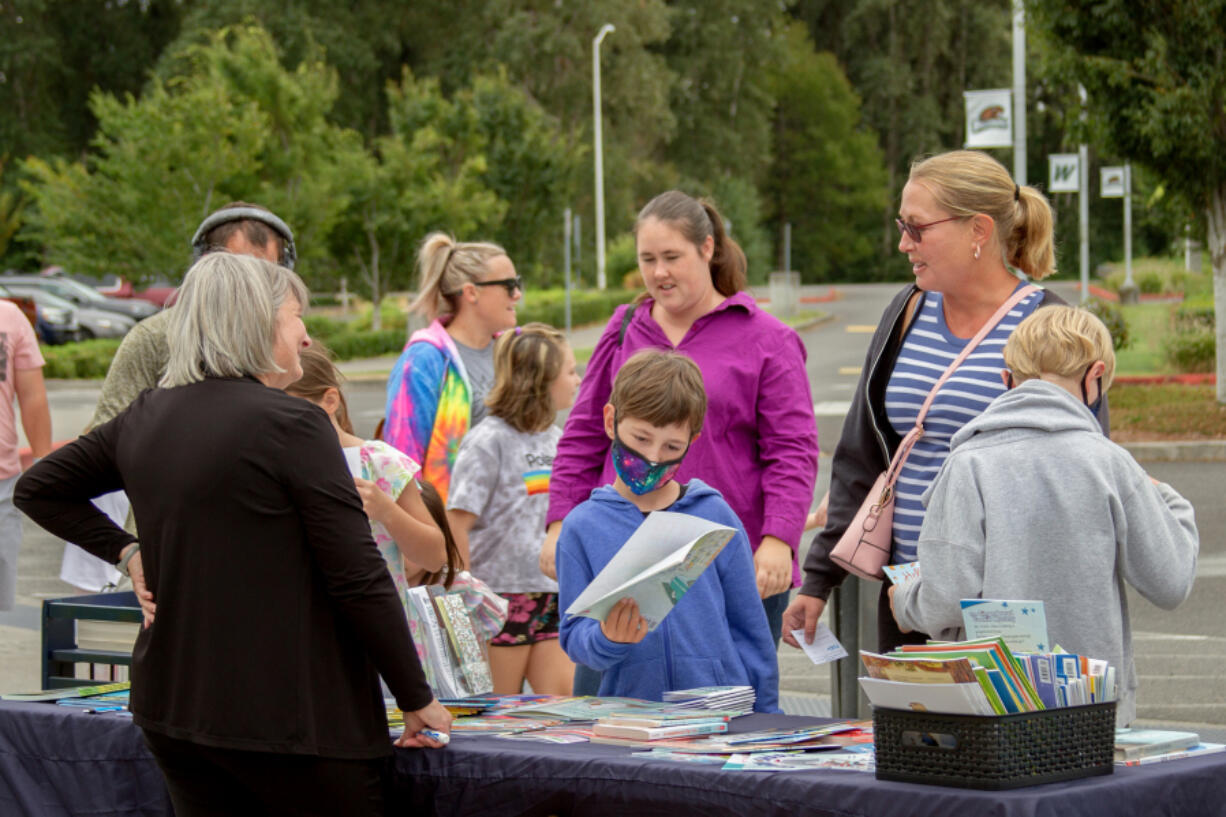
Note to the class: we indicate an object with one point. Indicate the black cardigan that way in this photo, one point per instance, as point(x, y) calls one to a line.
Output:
point(274, 606)
point(868, 442)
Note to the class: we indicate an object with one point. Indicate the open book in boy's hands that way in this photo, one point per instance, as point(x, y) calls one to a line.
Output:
point(655, 567)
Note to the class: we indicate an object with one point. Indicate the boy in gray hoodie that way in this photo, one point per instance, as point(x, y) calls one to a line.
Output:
point(1035, 503)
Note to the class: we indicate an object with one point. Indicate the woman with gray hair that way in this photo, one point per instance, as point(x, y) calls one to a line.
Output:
point(256, 681)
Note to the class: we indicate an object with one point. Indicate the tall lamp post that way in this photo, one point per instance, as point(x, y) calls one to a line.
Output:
point(606, 29)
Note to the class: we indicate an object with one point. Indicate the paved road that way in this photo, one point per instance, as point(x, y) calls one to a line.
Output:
point(1181, 654)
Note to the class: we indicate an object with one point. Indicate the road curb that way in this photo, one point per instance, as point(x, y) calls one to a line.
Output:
point(1178, 451)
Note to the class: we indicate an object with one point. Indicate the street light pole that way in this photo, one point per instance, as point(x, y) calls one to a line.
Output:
point(606, 29)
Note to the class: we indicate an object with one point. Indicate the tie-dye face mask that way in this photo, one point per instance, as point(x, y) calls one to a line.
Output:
point(640, 474)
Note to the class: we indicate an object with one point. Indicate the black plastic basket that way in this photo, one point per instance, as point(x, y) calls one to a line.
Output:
point(995, 752)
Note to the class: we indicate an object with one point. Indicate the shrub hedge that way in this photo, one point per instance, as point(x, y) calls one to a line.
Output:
point(86, 359)
point(355, 339)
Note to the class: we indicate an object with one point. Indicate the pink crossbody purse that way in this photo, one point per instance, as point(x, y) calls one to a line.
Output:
point(865, 547)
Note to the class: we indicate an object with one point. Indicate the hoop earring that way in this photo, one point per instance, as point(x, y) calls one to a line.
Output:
point(976, 252)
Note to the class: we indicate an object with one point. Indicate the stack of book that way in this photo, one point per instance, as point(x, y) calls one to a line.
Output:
point(713, 697)
point(635, 727)
point(1135, 747)
point(983, 677)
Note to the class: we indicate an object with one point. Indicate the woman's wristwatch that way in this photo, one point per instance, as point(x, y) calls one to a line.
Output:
point(122, 566)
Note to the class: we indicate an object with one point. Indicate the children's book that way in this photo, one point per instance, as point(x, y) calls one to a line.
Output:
point(588, 708)
point(990, 653)
point(1192, 751)
point(687, 716)
point(956, 699)
point(453, 616)
point(67, 692)
point(918, 670)
point(1134, 744)
point(610, 730)
point(902, 573)
point(656, 566)
point(1022, 624)
point(850, 758)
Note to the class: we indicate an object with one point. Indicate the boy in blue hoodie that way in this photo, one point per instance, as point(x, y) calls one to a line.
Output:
point(718, 633)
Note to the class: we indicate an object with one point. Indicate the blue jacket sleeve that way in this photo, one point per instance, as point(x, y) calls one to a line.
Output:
point(580, 636)
point(747, 622)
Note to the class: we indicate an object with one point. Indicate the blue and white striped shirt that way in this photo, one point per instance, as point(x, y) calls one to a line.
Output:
point(927, 351)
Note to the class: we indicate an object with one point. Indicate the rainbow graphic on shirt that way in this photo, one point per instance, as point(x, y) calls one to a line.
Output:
point(537, 481)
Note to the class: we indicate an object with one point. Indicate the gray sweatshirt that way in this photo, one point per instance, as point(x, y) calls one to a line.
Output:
point(1035, 503)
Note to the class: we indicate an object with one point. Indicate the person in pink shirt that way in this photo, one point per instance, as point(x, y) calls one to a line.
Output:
point(759, 446)
point(21, 376)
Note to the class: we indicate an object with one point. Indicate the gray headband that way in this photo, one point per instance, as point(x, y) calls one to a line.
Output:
point(288, 256)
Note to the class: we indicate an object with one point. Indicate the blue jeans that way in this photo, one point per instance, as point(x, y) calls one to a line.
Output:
point(774, 606)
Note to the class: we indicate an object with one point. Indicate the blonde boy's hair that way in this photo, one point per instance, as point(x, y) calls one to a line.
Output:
point(1059, 340)
point(661, 388)
point(527, 361)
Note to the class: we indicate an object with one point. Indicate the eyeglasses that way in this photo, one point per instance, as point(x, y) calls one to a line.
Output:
point(509, 284)
point(916, 231)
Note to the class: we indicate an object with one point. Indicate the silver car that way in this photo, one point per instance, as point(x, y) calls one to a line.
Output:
point(91, 323)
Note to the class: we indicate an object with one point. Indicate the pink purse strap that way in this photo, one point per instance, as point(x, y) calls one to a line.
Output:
point(909, 441)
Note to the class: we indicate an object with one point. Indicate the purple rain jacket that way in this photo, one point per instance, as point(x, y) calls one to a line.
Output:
point(758, 445)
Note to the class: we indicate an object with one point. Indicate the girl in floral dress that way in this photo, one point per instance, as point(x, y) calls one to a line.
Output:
point(415, 548)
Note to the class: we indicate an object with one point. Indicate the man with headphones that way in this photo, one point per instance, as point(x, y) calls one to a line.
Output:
point(140, 362)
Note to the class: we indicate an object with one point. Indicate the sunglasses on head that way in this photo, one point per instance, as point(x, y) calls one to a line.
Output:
point(509, 284)
point(916, 231)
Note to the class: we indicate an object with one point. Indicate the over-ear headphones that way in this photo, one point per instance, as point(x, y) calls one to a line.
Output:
point(227, 214)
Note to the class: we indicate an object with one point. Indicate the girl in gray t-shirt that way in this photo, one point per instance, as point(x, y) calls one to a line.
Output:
point(498, 498)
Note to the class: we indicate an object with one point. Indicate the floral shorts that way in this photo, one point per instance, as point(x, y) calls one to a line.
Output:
point(531, 617)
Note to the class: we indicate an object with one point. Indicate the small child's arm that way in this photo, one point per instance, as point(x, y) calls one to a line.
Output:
point(408, 522)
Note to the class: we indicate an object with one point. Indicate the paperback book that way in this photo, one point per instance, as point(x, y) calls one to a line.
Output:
point(1134, 744)
point(656, 566)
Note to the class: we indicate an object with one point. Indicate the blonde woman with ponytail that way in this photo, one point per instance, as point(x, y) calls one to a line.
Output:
point(972, 236)
point(436, 393)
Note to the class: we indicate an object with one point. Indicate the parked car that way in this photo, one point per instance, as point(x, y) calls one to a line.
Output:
point(24, 303)
point(90, 322)
point(81, 294)
point(160, 293)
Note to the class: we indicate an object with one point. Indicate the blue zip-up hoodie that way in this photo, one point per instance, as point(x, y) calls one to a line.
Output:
point(716, 635)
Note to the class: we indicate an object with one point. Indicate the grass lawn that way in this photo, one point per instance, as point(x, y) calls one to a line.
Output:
point(1148, 324)
point(1165, 412)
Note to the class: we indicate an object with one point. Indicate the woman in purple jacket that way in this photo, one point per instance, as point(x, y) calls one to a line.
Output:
point(759, 448)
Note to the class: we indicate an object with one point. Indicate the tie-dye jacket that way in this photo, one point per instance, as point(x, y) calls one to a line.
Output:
point(429, 404)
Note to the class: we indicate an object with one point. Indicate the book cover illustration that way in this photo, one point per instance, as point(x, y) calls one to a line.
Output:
point(1022, 624)
point(861, 758)
point(656, 566)
point(453, 615)
point(918, 670)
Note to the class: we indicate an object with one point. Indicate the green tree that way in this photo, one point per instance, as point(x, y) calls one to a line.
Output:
point(1156, 80)
point(417, 179)
point(51, 59)
point(910, 64)
point(829, 178)
point(722, 53)
point(236, 126)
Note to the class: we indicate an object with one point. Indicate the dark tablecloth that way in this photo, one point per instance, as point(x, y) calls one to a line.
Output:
point(60, 761)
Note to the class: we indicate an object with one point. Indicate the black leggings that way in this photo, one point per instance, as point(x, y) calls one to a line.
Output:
point(204, 780)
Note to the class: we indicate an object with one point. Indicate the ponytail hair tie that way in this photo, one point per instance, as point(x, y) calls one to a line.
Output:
point(1017, 193)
